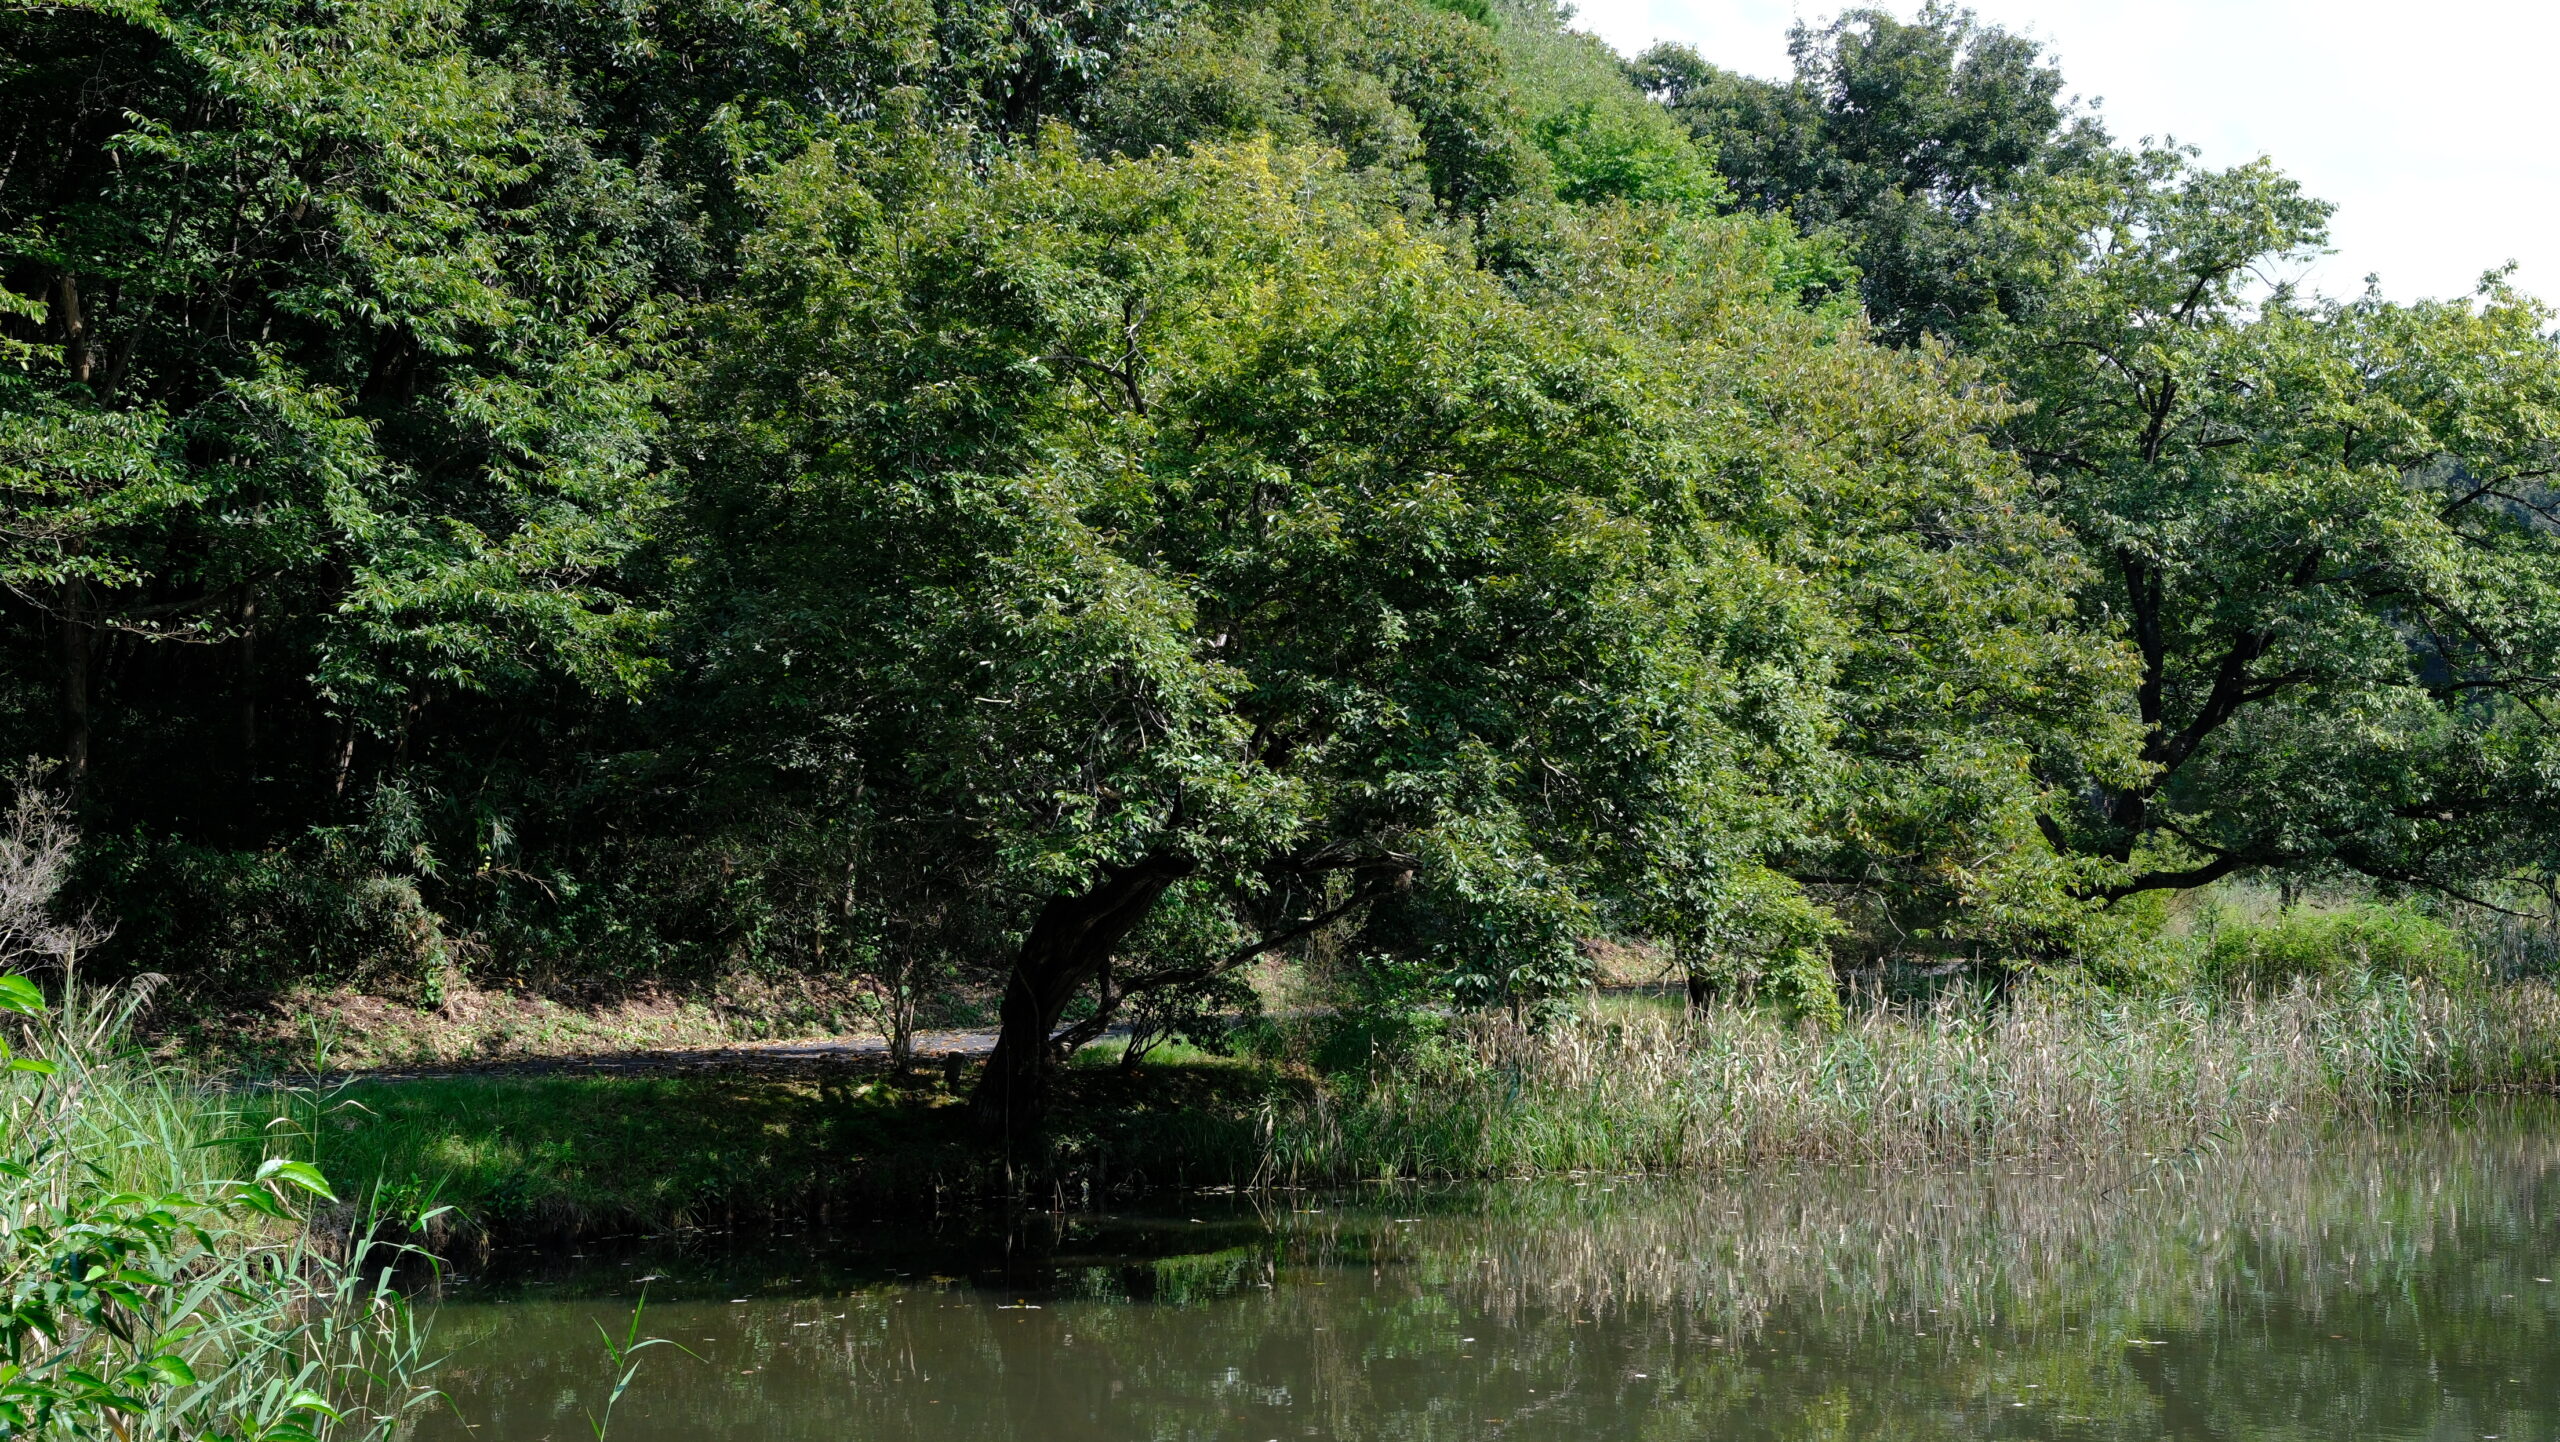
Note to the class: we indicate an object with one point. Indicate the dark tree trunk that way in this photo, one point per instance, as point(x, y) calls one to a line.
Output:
point(338, 758)
point(248, 713)
point(1067, 946)
point(79, 648)
point(1702, 991)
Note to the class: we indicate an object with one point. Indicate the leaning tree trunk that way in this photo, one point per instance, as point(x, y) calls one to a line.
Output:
point(1067, 946)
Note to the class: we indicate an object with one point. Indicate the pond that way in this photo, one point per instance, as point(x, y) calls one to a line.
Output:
point(2393, 1282)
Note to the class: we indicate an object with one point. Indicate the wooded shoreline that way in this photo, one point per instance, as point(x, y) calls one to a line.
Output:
point(1283, 536)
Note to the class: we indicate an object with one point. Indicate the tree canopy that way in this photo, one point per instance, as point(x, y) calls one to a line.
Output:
point(1076, 497)
point(1901, 139)
point(1193, 522)
point(2324, 526)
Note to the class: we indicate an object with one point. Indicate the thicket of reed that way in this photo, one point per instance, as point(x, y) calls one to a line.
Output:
point(151, 1288)
point(153, 1294)
point(2042, 1072)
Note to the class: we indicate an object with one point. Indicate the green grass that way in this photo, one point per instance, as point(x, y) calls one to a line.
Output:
point(1109, 1052)
point(2329, 945)
point(1627, 1085)
point(568, 1154)
point(571, 1152)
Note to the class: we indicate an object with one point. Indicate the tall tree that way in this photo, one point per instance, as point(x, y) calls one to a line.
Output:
point(1192, 527)
point(2326, 528)
point(1903, 136)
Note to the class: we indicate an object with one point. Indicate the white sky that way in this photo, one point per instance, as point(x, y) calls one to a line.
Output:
point(2429, 125)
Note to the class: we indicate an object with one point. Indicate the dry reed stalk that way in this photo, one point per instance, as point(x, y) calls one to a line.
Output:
point(1961, 1077)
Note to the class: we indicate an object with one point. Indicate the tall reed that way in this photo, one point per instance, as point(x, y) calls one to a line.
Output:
point(2047, 1072)
point(149, 1296)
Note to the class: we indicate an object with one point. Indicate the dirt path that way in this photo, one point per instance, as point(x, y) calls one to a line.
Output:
point(806, 1057)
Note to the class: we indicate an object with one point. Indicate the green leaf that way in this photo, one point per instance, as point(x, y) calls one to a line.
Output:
point(300, 1174)
point(307, 1400)
point(261, 1203)
point(18, 994)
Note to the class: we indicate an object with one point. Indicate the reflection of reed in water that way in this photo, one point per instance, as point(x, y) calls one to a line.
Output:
point(1850, 1302)
point(2356, 1278)
point(1640, 1087)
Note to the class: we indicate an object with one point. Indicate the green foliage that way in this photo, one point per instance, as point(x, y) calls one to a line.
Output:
point(1772, 948)
point(1601, 139)
point(1385, 1012)
point(288, 327)
point(143, 1297)
point(2322, 527)
point(336, 368)
point(1202, 516)
point(1440, 108)
point(2347, 944)
point(1102, 492)
point(1414, 96)
point(350, 893)
point(1909, 138)
point(145, 1292)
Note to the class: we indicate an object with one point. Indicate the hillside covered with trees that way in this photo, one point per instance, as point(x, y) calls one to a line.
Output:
point(1068, 498)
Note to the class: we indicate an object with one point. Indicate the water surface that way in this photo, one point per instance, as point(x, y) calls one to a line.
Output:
point(2385, 1284)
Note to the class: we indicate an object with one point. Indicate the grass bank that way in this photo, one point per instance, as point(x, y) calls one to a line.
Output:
point(569, 1155)
point(1624, 1085)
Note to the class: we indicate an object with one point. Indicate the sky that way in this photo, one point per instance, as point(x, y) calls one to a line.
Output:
point(2429, 125)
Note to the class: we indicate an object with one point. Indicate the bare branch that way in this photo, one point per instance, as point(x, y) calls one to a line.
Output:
point(36, 844)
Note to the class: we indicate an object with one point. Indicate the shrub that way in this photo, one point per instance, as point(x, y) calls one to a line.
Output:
point(2365, 940)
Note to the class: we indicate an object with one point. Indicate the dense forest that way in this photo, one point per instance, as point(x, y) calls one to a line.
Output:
point(1070, 497)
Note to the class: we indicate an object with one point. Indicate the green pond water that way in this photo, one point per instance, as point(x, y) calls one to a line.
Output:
point(2389, 1283)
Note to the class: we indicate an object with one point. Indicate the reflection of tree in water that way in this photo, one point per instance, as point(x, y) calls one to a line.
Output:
point(1826, 1305)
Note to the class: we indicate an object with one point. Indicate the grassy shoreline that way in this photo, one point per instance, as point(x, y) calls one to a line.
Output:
point(1625, 1086)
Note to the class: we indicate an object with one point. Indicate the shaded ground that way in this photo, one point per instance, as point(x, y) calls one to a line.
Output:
point(803, 1058)
point(785, 1026)
point(523, 1155)
point(347, 1030)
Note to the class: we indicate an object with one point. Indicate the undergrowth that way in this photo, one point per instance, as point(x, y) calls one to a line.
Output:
point(2047, 1072)
point(1618, 1085)
point(157, 1280)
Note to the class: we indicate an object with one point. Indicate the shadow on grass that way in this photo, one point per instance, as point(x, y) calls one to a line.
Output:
point(560, 1155)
